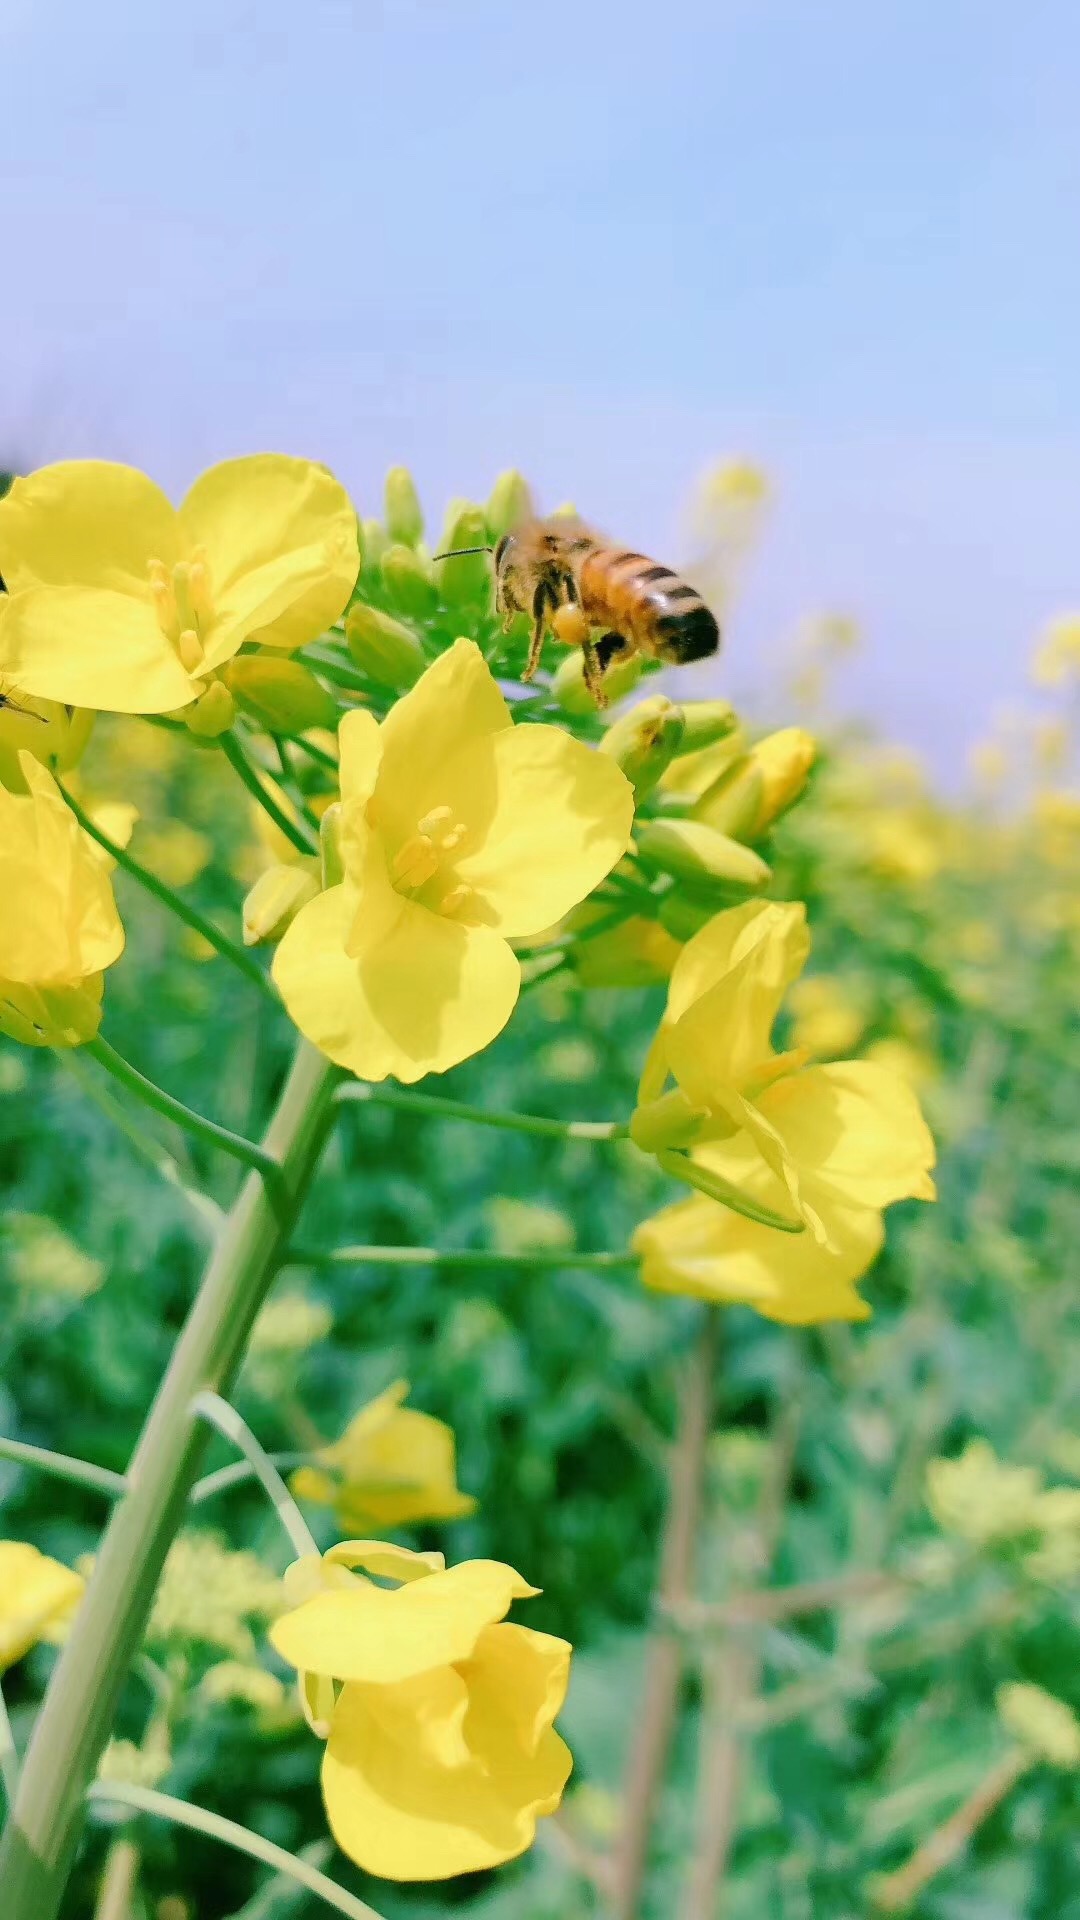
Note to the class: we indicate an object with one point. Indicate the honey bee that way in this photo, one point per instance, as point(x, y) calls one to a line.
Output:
point(606, 599)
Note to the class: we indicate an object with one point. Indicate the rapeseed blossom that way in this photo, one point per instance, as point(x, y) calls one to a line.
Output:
point(60, 928)
point(459, 831)
point(393, 1465)
point(441, 1753)
point(37, 1599)
point(833, 1138)
point(118, 600)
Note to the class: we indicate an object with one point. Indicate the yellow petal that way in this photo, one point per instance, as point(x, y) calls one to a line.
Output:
point(400, 1813)
point(517, 1679)
point(429, 993)
point(382, 1635)
point(282, 550)
point(37, 1598)
point(454, 707)
point(855, 1132)
point(60, 925)
point(773, 931)
point(706, 1251)
point(86, 523)
point(360, 756)
point(91, 647)
point(401, 1470)
point(385, 1560)
point(546, 819)
point(51, 1016)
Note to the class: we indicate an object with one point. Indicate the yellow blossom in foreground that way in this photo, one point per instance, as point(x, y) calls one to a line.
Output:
point(837, 1138)
point(56, 735)
point(119, 600)
point(391, 1466)
point(441, 1754)
point(459, 832)
point(59, 929)
point(37, 1599)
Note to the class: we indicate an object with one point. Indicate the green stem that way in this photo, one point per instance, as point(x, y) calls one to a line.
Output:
point(9, 1757)
point(40, 1838)
point(295, 831)
point(235, 1475)
point(253, 1155)
point(228, 949)
point(64, 1466)
point(182, 1814)
point(341, 671)
point(437, 1107)
point(223, 1417)
point(318, 754)
point(459, 1257)
point(681, 1167)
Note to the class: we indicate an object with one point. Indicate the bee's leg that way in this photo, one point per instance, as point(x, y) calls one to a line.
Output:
point(606, 651)
point(536, 644)
point(594, 671)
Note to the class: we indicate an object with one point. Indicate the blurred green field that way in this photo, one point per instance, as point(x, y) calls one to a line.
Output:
point(946, 940)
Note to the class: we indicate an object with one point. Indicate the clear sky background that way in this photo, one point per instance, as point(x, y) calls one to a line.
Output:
point(606, 243)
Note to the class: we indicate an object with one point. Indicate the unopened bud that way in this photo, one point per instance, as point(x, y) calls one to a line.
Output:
point(404, 514)
point(332, 864)
point(784, 761)
point(464, 578)
point(408, 580)
point(706, 722)
point(669, 1121)
point(693, 851)
point(374, 541)
point(385, 649)
point(212, 713)
point(282, 695)
point(734, 802)
point(569, 689)
point(509, 504)
point(645, 741)
point(275, 900)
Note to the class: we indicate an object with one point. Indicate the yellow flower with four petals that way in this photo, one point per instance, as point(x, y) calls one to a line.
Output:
point(37, 1599)
point(118, 600)
point(441, 1754)
point(459, 832)
point(392, 1465)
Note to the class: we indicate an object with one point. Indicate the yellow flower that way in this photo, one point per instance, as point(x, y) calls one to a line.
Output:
point(119, 600)
point(441, 1753)
point(459, 832)
point(56, 735)
point(37, 1599)
point(709, 1252)
point(60, 927)
point(391, 1466)
point(1057, 657)
point(828, 1020)
point(835, 1138)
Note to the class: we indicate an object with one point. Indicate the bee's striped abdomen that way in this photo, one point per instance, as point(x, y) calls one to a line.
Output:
point(635, 596)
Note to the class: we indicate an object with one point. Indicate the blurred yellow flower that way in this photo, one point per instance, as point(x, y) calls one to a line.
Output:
point(459, 832)
point(175, 852)
point(119, 600)
point(838, 1137)
point(827, 1018)
point(637, 953)
point(441, 1753)
point(60, 928)
point(56, 735)
point(1057, 657)
point(37, 1599)
point(1042, 1722)
point(391, 1466)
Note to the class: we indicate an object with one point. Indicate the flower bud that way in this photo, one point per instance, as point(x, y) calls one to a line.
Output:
point(464, 578)
point(282, 695)
point(404, 514)
point(668, 1121)
point(408, 581)
point(212, 713)
point(374, 541)
point(784, 761)
point(385, 649)
point(734, 802)
point(509, 503)
point(330, 856)
point(275, 900)
point(645, 741)
point(707, 721)
point(693, 851)
point(569, 689)
point(683, 913)
point(56, 735)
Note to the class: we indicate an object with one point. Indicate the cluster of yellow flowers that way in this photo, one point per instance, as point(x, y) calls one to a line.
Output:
point(448, 839)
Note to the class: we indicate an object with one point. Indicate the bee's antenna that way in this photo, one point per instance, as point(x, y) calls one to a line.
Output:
point(452, 552)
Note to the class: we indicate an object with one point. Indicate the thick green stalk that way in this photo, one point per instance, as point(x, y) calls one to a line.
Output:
point(41, 1835)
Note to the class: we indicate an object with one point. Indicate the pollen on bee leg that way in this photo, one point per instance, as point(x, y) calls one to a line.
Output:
point(569, 625)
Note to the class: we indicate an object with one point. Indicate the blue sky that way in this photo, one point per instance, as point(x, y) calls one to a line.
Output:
point(606, 243)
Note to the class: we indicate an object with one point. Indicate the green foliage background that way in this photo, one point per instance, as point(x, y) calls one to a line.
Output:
point(560, 1383)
